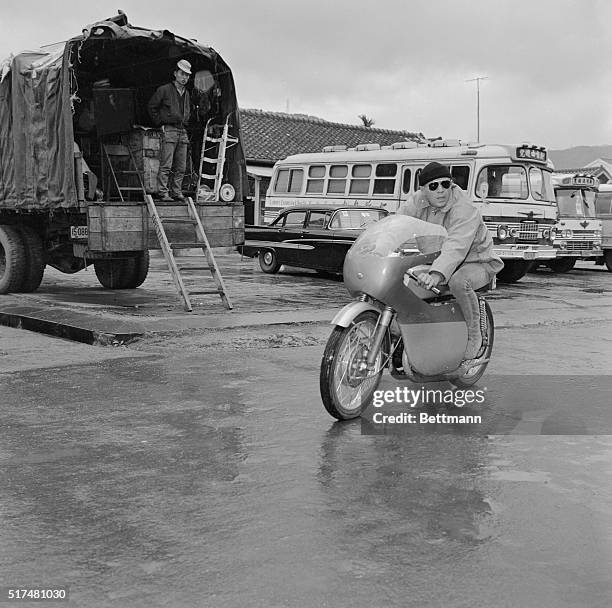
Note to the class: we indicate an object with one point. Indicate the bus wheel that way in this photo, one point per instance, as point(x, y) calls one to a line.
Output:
point(562, 264)
point(513, 271)
point(608, 259)
point(268, 260)
point(12, 259)
point(35, 259)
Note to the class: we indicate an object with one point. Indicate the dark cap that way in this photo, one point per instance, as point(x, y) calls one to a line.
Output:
point(433, 171)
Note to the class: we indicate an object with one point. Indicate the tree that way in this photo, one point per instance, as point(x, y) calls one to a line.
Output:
point(367, 122)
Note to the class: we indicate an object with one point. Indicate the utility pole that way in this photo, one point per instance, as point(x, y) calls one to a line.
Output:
point(478, 79)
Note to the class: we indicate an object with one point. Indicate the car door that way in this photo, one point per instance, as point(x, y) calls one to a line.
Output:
point(290, 228)
point(316, 244)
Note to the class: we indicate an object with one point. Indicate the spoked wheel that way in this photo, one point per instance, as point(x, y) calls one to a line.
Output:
point(346, 382)
point(473, 374)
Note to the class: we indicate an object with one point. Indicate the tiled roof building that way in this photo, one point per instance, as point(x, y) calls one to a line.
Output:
point(272, 136)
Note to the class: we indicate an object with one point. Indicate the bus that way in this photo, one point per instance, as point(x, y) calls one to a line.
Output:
point(577, 233)
point(603, 212)
point(510, 184)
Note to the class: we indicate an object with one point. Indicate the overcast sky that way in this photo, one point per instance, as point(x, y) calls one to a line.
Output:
point(402, 63)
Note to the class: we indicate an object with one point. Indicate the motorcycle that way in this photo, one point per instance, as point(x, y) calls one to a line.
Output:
point(420, 334)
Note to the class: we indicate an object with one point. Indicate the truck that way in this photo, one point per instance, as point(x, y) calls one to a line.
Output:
point(79, 154)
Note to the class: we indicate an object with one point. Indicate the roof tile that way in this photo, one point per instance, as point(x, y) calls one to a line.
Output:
point(272, 136)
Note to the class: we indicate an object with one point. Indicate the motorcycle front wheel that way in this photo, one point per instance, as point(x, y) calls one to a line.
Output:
point(346, 382)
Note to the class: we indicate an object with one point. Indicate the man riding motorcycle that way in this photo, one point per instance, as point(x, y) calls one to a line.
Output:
point(466, 261)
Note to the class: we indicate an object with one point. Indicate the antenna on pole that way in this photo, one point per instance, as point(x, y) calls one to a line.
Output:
point(478, 79)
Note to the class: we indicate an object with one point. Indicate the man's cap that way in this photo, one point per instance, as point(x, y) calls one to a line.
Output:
point(184, 66)
point(433, 171)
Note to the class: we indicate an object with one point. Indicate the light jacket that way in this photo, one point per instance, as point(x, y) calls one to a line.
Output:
point(167, 107)
point(468, 238)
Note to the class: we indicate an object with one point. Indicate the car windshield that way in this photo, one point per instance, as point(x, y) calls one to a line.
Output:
point(575, 203)
point(396, 233)
point(354, 219)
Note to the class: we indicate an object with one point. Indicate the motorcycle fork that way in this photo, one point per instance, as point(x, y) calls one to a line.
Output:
point(379, 334)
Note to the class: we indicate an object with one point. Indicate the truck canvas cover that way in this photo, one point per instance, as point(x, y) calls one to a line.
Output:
point(43, 92)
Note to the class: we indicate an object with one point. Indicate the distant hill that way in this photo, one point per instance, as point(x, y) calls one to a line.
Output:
point(578, 157)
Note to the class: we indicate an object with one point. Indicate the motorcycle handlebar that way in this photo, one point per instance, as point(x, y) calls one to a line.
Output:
point(415, 278)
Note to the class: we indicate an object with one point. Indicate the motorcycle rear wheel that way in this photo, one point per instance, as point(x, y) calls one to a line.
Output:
point(473, 374)
point(345, 382)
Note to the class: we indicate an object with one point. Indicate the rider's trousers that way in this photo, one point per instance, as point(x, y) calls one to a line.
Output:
point(462, 284)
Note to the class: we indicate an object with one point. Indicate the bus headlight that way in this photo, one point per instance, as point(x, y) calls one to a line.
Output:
point(502, 232)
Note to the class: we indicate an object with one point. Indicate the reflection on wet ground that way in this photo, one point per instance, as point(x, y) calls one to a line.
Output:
point(216, 478)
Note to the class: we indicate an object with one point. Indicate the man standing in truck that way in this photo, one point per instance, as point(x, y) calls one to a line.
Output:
point(169, 108)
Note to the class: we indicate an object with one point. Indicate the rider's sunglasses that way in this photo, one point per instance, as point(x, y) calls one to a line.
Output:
point(445, 183)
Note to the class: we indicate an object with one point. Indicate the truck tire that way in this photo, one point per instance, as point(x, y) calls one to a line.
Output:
point(137, 270)
point(123, 273)
point(608, 259)
point(12, 259)
point(111, 273)
point(34, 257)
point(513, 271)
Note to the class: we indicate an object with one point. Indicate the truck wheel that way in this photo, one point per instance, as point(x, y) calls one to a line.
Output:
point(137, 269)
point(608, 259)
point(513, 271)
point(34, 257)
point(112, 273)
point(562, 264)
point(12, 259)
point(123, 273)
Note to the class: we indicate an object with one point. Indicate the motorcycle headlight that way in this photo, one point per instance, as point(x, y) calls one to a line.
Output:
point(502, 232)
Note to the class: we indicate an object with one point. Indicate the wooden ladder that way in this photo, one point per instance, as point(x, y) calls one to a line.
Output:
point(202, 243)
point(214, 149)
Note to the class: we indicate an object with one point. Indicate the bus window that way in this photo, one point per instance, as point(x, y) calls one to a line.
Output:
point(603, 203)
point(316, 175)
point(502, 181)
point(569, 203)
point(289, 180)
point(589, 203)
point(385, 179)
point(406, 181)
point(541, 186)
point(461, 176)
point(360, 179)
point(337, 179)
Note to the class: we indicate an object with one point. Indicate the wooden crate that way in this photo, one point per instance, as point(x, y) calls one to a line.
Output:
point(128, 227)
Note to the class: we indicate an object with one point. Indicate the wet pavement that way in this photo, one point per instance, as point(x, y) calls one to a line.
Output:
point(197, 467)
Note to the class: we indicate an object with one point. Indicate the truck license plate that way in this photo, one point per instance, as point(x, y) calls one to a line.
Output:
point(78, 232)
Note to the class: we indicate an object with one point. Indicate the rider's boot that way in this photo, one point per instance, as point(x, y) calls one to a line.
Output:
point(471, 312)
